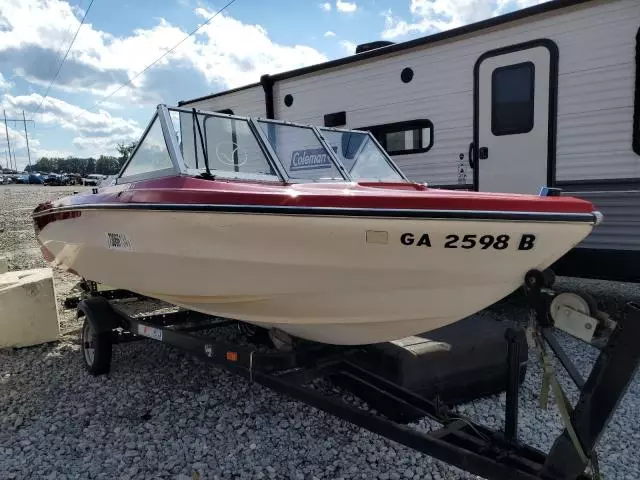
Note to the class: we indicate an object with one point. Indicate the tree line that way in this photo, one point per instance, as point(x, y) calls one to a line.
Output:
point(103, 165)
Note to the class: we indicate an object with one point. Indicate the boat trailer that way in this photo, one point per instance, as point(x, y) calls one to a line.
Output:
point(460, 441)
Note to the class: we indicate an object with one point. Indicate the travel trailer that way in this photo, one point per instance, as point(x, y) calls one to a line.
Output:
point(545, 96)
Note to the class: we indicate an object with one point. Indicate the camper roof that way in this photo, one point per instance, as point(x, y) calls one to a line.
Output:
point(265, 80)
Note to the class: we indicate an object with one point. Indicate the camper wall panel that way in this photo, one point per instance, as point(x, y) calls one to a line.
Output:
point(442, 168)
point(590, 143)
point(620, 229)
point(595, 102)
point(248, 102)
point(596, 41)
point(449, 114)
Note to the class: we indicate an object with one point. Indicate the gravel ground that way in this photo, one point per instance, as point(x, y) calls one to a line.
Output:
point(163, 414)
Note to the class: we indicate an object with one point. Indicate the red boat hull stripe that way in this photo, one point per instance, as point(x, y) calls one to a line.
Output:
point(59, 212)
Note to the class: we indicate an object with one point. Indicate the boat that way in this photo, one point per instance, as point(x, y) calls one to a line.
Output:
point(307, 230)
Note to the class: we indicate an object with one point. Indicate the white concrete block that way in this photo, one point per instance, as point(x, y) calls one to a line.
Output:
point(28, 313)
point(4, 265)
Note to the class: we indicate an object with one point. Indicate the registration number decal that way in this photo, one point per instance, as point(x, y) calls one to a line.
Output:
point(150, 332)
point(118, 241)
point(503, 241)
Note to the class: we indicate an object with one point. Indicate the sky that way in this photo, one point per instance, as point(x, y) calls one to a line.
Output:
point(121, 37)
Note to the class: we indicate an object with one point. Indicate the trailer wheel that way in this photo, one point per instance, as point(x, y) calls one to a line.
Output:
point(96, 349)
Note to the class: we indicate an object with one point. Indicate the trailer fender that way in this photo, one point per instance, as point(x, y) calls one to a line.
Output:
point(100, 314)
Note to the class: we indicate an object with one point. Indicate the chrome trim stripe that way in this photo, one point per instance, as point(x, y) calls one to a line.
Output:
point(592, 217)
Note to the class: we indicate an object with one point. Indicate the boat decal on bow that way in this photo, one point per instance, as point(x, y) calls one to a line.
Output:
point(525, 241)
point(478, 215)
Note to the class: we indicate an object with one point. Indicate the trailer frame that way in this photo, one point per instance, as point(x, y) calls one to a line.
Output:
point(460, 442)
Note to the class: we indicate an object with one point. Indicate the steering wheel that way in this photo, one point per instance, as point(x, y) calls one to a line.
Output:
point(236, 152)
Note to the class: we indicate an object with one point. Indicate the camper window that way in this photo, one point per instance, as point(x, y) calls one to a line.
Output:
point(512, 90)
point(415, 136)
point(360, 156)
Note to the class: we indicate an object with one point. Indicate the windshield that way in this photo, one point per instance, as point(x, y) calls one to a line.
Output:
point(237, 147)
point(229, 144)
point(361, 157)
point(300, 152)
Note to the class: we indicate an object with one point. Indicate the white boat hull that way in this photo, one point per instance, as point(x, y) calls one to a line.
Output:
point(339, 280)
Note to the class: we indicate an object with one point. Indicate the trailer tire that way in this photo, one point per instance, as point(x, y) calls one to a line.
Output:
point(96, 349)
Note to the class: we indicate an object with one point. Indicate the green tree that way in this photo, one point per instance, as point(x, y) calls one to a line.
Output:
point(104, 165)
point(107, 165)
point(125, 150)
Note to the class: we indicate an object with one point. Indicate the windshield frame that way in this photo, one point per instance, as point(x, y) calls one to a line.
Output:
point(384, 153)
point(165, 172)
point(271, 159)
point(163, 116)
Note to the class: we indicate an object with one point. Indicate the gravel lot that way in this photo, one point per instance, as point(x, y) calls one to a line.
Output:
point(163, 414)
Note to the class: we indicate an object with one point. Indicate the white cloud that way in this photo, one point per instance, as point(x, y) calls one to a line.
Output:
point(348, 46)
point(329, 34)
point(95, 133)
point(430, 16)
point(6, 84)
point(19, 154)
point(326, 6)
point(225, 53)
point(16, 137)
point(346, 7)
point(518, 4)
point(37, 153)
point(30, 30)
point(223, 58)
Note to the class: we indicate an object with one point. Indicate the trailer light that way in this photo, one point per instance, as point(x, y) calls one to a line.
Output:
point(232, 356)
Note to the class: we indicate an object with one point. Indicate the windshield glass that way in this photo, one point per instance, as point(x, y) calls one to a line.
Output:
point(150, 156)
point(361, 157)
point(300, 152)
point(229, 144)
point(237, 147)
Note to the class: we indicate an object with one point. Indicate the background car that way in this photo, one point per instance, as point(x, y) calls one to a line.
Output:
point(93, 179)
point(30, 178)
point(54, 179)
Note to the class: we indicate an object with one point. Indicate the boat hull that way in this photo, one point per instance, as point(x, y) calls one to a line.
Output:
point(332, 279)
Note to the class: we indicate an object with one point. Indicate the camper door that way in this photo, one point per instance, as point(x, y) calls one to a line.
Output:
point(513, 141)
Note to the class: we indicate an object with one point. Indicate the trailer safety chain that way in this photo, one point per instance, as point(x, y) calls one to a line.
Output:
point(251, 366)
point(550, 382)
point(539, 319)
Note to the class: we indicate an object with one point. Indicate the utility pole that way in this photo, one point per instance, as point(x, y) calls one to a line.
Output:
point(26, 136)
point(6, 129)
